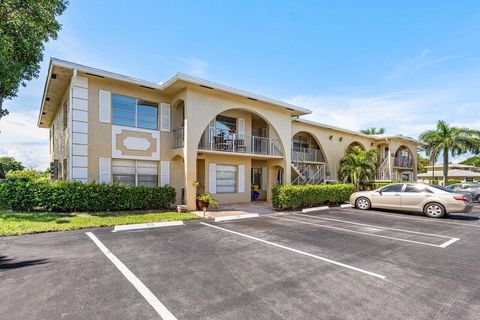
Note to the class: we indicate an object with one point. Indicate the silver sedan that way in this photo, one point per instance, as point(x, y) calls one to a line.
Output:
point(434, 201)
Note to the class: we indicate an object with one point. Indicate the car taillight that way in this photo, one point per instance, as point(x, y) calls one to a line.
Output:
point(461, 198)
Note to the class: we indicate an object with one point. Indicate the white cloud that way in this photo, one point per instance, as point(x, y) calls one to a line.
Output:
point(196, 66)
point(422, 60)
point(21, 138)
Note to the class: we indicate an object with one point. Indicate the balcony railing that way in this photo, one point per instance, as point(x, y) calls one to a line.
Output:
point(178, 138)
point(307, 155)
point(403, 162)
point(216, 140)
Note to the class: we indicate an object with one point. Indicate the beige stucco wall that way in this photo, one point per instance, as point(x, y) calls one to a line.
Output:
point(201, 106)
point(100, 134)
point(59, 136)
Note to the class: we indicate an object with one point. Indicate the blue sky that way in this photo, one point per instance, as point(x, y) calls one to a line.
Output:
point(401, 65)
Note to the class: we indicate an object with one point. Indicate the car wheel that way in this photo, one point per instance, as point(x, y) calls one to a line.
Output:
point(478, 198)
point(363, 203)
point(434, 210)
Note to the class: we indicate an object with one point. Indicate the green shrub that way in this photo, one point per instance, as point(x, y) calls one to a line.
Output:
point(296, 197)
point(76, 196)
point(453, 181)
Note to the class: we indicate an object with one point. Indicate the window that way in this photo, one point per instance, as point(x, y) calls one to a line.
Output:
point(135, 172)
point(225, 125)
point(131, 112)
point(226, 178)
point(413, 188)
point(393, 188)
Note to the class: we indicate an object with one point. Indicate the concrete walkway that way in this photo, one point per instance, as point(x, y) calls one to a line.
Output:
point(238, 209)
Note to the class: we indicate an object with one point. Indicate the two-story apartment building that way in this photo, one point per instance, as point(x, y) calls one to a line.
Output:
point(195, 135)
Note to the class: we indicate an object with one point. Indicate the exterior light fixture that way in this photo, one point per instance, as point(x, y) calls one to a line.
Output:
point(371, 144)
point(340, 139)
point(330, 138)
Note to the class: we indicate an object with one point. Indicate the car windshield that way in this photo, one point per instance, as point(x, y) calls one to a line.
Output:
point(442, 188)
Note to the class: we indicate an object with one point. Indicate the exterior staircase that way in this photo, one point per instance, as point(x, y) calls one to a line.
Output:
point(308, 173)
point(383, 173)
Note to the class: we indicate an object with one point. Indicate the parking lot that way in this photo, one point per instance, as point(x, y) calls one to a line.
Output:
point(330, 264)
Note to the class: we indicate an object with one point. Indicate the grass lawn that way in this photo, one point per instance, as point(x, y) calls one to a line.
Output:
point(15, 223)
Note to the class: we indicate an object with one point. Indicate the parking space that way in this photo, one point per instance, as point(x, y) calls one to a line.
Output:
point(338, 263)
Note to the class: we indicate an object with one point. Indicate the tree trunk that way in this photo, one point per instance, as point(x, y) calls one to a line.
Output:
point(445, 167)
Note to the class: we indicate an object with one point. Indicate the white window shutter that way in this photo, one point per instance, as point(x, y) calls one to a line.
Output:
point(264, 178)
point(164, 173)
point(241, 178)
point(211, 131)
point(105, 170)
point(212, 178)
point(165, 117)
point(241, 127)
point(105, 106)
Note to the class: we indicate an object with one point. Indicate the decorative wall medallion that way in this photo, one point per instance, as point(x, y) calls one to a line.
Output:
point(135, 143)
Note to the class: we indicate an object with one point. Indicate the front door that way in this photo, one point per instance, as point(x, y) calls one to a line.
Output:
point(388, 197)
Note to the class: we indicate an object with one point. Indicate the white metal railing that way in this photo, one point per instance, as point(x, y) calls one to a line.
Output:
point(384, 170)
point(403, 162)
point(217, 140)
point(307, 154)
point(178, 138)
point(315, 173)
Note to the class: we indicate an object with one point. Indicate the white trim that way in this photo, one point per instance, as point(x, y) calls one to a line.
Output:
point(162, 311)
point(376, 275)
point(237, 217)
point(241, 178)
point(164, 172)
point(104, 106)
point(105, 170)
point(212, 177)
point(116, 153)
point(165, 115)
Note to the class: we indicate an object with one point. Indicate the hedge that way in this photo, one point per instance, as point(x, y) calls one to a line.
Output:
point(303, 196)
point(76, 196)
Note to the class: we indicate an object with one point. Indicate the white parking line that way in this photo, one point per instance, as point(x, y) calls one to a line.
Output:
point(298, 251)
point(141, 288)
point(403, 216)
point(365, 233)
point(374, 226)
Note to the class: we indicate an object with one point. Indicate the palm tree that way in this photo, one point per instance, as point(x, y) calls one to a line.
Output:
point(447, 140)
point(373, 130)
point(358, 166)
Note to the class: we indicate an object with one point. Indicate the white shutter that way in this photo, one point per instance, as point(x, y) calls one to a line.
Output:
point(264, 178)
point(212, 178)
point(105, 106)
point(165, 117)
point(105, 170)
point(241, 127)
point(241, 178)
point(164, 173)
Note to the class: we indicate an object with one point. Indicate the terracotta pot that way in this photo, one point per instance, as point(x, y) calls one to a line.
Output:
point(202, 205)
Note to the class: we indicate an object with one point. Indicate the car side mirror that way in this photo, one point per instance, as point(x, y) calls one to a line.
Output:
point(379, 192)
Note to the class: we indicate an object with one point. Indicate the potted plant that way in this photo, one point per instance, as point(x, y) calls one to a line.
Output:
point(205, 200)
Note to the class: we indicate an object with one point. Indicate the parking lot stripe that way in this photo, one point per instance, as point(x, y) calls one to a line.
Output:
point(403, 216)
point(449, 242)
point(375, 226)
point(162, 311)
point(358, 232)
point(376, 275)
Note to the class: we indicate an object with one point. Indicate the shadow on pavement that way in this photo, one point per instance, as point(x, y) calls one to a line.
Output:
point(6, 263)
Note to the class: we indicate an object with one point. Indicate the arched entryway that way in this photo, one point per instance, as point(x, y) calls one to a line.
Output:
point(404, 166)
point(356, 144)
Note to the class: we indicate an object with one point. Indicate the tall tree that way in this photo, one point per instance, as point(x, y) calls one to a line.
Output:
point(446, 140)
point(10, 164)
point(422, 163)
point(358, 166)
point(373, 130)
point(25, 25)
point(472, 161)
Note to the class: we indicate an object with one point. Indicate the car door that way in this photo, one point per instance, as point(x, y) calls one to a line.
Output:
point(388, 197)
point(413, 197)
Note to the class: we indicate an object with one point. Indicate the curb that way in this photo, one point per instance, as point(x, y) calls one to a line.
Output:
point(127, 227)
point(315, 209)
point(239, 217)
